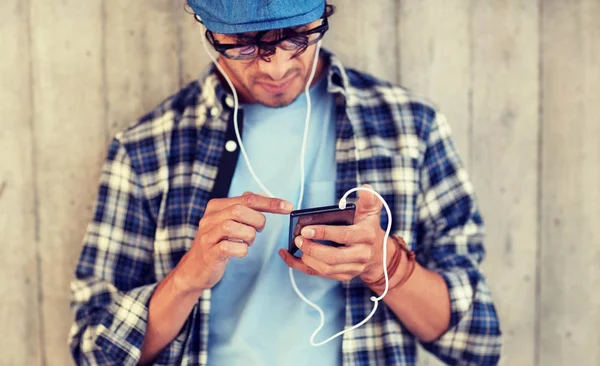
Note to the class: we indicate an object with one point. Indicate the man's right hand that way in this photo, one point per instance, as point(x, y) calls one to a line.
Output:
point(226, 230)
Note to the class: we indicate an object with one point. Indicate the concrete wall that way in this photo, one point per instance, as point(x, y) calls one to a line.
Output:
point(518, 79)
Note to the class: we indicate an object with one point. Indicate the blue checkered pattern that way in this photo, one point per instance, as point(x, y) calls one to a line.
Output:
point(156, 182)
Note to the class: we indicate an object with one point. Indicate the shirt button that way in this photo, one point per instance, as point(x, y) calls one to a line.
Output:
point(229, 101)
point(231, 146)
point(214, 111)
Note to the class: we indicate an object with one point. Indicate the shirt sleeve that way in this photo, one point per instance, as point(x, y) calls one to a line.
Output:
point(451, 232)
point(114, 278)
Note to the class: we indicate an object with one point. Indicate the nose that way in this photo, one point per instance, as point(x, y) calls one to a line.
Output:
point(279, 64)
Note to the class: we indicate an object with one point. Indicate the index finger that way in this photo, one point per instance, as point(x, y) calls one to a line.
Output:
point(264, 204)
point(254, 201)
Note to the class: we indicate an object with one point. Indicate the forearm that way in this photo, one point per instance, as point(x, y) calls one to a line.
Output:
point(169, 308)
point(422, 303)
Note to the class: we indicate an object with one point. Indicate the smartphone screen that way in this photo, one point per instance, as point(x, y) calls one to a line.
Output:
point(327, 215)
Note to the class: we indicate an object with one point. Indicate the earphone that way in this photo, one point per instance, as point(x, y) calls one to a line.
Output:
point(341, 204)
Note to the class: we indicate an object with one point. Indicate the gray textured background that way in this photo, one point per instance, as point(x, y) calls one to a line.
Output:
point(519, 81)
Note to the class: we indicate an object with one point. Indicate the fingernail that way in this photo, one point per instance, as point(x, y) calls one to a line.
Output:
point(299, 242)
point(286, 206)
point(281, 255)
point(308, 232)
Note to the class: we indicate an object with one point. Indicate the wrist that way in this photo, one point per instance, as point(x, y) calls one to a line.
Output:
point(376, 275)
point(401, 264)
point(394, 259)
point(184, 283)
point(394, 278)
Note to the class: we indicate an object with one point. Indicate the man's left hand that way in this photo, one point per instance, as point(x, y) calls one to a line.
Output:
point(362, 252)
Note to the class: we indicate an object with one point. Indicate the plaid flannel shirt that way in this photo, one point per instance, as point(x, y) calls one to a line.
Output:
point(158, 177)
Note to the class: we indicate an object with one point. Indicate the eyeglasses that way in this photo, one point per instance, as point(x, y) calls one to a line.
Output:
point(255, 47)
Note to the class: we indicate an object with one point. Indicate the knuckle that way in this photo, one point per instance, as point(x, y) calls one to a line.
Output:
point(251, 235)
point(223, 248)
point(250, 199)
point(331, 259)
point(226, 226)
point(307, 248)
point(263, 221)
point(237, 211)
point(347, 236)
point(205, 218)
point(274, 205)
point(205, 241)
point(320, 232)
point(367, 255)
point(210, 204)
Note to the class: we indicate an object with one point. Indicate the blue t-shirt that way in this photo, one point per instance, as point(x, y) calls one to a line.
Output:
point(256, 318)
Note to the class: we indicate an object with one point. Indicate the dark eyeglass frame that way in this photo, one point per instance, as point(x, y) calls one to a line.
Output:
point(268, 46)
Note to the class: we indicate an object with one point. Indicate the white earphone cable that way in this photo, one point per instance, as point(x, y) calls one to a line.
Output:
point(342, 202)
point(235, 120)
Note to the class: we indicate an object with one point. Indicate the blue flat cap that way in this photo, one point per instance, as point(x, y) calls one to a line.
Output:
point(240, 16)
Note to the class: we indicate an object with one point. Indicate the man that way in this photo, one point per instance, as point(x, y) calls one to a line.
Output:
point(179, 265)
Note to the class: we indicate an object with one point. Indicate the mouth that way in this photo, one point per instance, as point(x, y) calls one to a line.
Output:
point(277, 88)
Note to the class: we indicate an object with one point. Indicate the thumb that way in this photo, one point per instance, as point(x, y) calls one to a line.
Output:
point(368, 202)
